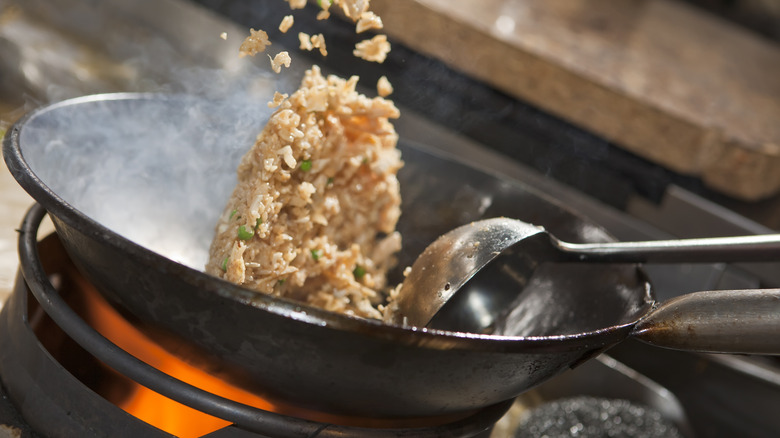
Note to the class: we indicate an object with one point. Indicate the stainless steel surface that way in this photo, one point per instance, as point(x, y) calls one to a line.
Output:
point(683, 214)
point(457, 256)
point(452, 260)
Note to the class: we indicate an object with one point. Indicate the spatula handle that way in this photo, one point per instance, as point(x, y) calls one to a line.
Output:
point(759, 248)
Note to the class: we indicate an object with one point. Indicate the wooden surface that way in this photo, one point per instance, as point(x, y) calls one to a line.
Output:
point(663, 80)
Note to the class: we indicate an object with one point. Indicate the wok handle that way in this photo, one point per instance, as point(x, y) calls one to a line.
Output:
point(727, 321)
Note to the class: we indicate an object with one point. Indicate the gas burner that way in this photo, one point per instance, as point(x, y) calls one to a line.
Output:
point(64, 377)
point(73, 365)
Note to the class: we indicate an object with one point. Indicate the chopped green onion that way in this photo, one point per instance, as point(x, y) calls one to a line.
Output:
point(232, 213)
point(306, 165)
point(330, 180)
point(224, 264)
point(244, 234)
point(257, 223)
point(359, 272)
point(365, 160)
point(316, 254)
point(281, 281)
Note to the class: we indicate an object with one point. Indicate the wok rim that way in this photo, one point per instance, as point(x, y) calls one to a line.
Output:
point(61, 210)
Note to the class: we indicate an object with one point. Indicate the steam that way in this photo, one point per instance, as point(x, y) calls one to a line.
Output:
point(158, 169)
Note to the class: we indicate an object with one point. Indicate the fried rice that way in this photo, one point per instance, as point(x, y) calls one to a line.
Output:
point(314, 212)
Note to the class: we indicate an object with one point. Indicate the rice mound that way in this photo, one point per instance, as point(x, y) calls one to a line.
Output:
point(314, 213)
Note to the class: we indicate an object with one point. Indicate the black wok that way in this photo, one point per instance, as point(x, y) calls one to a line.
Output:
point(134, 184)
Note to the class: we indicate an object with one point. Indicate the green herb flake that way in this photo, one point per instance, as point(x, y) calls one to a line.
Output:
point(306, 165)
point(316, 254)
point(359, 272)
point(281, 281)
point(232, 213)
point(224, 264)
point(245, 234)
point(258, 221)
point(330, 181)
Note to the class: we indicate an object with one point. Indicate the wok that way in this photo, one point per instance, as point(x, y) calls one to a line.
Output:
point(134, 184)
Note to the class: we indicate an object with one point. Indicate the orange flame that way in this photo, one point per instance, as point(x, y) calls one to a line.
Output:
point(181, 420)
point(149, 406)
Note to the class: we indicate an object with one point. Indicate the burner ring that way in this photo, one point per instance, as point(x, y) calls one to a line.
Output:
point(243, 416)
